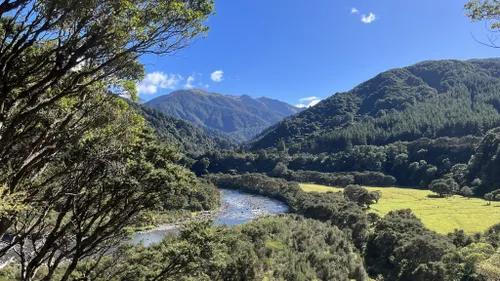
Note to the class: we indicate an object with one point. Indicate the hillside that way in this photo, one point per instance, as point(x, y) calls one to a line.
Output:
point(179, 133)
point(238, 118)
point(429, 99)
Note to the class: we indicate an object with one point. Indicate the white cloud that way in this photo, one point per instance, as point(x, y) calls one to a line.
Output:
point(189, 83)
point(354, 11)
point(308, 102)
point(207, 86)
point(216, 76)
point(368, 19)
point(158, 80)
point(313, 103)
point(309, 99)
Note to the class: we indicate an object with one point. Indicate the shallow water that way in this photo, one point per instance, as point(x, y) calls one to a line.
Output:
point(237, 208)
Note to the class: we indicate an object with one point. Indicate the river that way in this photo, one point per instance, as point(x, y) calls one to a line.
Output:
point(237, 208)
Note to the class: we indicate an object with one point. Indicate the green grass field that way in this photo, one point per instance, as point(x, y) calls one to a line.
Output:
point(442, 215)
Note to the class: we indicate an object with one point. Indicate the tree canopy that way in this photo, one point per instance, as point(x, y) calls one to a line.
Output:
point(77, 165)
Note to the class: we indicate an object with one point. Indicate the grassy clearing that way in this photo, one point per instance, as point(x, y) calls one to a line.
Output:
point(439, 214)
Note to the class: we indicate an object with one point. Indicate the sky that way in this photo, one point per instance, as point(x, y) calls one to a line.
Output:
point(303, 51)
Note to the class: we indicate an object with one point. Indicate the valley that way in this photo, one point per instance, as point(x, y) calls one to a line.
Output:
point(121, 158)
point(411, 154)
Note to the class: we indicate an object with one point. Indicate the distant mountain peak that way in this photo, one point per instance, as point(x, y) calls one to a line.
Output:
point(190, 91)
point(238, 118)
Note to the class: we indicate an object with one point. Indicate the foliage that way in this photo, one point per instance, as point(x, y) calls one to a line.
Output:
point(484, 10)
point(484, 165)
point(430, 99)
point(414, 163)
point(401, 248)
point(180, 134)
point(490, 268)
point(489, 197)
point(459, 238)
point(492, 235)
point(466, 191)
point(361, 196)
point(292, 248)
point(83, 164)
point(444, 187)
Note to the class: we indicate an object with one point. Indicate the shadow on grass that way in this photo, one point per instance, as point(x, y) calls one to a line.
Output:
point(434, 196)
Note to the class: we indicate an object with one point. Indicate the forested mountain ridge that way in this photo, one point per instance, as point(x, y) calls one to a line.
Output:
point(180, 134)
point(238, 118)
point(429, 99)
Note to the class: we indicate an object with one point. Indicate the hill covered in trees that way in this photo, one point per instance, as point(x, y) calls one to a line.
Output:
point(238, 118)
point(446, 98)
point(179, 133)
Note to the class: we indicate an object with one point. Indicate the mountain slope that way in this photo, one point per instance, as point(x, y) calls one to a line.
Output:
point(238, 118)
point(179, 133)
point(429, 99)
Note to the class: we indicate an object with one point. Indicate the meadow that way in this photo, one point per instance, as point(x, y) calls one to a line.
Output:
point(442, 215)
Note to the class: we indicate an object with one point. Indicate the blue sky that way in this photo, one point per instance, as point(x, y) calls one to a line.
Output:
point(291, 50)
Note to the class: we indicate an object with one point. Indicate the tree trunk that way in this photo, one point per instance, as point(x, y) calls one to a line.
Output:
point(5, 223)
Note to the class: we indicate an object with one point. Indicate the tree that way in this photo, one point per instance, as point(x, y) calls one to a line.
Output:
point(489, 197)
point(195, 253)
point(281, 145)
point(96, 190)
point(201, 166)
point(443, 187)
point(466, 191)
point(464, 261)
point(490, 268)
point(375, 195)
point(488, 11)
point(460, 238)
point(56, 55)
point(80, 162)
point(459, 172)
point(279, 170)
point(401, 246)
point(358, 195)
point(484, 165)
point(373, 218)
point(310, 249)
point(492, 235)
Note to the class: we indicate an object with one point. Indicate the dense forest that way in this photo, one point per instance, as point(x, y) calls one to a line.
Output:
point(430, 99)
point(414, 163)
point(180, 134)
point(237, 118)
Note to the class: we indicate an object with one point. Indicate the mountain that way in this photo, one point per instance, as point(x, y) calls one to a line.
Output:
point(238, 118)
point(179, 133)
point(429, 99)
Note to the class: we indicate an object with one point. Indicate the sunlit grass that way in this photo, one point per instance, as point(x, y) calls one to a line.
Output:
point(440, 214)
